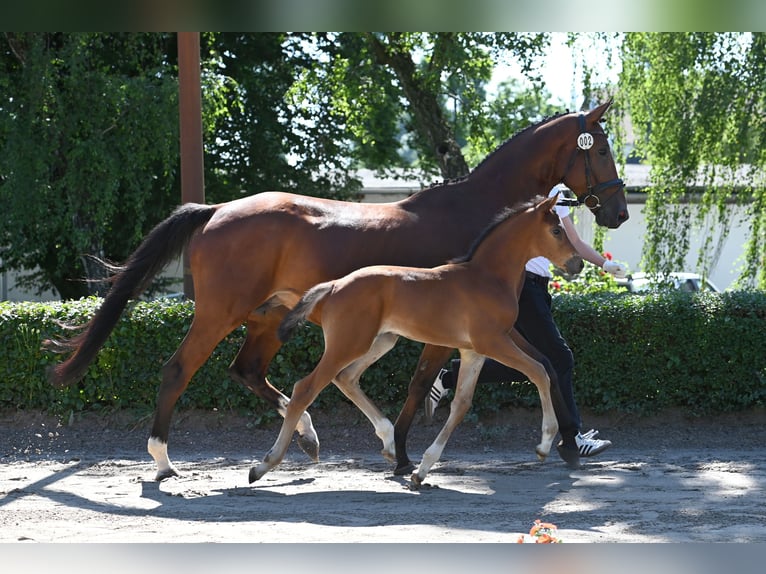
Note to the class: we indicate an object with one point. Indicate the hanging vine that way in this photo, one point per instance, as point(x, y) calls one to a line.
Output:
point(696, 103)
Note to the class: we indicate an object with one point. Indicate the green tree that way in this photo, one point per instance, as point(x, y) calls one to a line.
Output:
point(697, 105)
point(259, 134)
point(411, 91)
point(89, 140)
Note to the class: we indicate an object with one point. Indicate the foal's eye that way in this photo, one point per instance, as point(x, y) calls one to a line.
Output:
point(602, 151)
point(556, 231)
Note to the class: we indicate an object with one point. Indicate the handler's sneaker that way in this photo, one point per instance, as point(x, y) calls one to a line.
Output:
point(434, 396)
point(589, 445)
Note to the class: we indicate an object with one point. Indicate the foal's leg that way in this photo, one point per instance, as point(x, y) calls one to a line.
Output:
point(567, 427)
point(252, 362)
point(470, 365)
point(335, 358)
point(348, 382)
point(505, 350)
point(432, 358)
point(304, 393)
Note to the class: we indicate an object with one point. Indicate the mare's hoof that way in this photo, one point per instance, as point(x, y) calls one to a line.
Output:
point(570, 455)
point(167, 473)
point(404, 469)
point(310, 447)
point(253, 476)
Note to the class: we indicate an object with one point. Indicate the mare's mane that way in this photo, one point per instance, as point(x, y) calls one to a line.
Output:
point(494, 152)
point(499, 219)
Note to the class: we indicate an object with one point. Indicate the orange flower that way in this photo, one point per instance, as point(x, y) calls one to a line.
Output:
point(543, 532)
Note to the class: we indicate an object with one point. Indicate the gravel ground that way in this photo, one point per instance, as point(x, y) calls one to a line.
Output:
point(668, 478)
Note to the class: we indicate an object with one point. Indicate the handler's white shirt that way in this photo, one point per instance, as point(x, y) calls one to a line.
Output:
point(542, 265)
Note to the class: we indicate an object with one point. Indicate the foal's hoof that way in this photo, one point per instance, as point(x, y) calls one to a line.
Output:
point(310, 447)
point(570, 455)
point(165, 473)
point(254, 474)
point(416, 481)
point(404, 469)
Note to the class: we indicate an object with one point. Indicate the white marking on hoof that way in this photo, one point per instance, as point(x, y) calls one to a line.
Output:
point(159, 451)
point(385, 432)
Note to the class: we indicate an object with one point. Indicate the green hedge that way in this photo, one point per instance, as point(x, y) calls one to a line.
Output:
point(702, 352)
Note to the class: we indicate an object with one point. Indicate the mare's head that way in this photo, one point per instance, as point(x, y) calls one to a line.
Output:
point(547, 236)
point(586, 165)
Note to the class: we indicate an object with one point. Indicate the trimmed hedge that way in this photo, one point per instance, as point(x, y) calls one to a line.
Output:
point(702, 352)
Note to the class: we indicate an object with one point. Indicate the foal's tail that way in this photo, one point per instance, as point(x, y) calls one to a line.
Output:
point(163, 244)
point(298, 314)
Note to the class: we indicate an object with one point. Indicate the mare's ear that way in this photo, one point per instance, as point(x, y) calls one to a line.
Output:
point(598, 112)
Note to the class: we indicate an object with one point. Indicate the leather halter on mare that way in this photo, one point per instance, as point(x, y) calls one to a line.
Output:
point(591, 200)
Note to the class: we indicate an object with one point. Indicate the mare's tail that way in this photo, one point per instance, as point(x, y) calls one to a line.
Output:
point(298, 314)
point(163, 244)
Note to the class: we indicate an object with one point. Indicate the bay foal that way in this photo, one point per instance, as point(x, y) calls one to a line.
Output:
point(470, 304)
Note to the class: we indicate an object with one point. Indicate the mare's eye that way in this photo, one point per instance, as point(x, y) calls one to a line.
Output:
point(556, 231)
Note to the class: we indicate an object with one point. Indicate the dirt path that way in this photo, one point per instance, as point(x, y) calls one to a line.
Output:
point(92, 481)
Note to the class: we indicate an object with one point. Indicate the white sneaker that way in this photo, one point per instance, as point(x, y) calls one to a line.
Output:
point(434, 396)
point(588, 445)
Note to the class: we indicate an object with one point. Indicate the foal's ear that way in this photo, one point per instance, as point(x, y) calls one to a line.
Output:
point(549, 204)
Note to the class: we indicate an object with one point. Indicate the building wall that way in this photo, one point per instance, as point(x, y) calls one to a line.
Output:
point(626, 243)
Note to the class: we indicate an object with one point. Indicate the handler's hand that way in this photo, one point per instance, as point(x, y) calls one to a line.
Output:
point(616, 269)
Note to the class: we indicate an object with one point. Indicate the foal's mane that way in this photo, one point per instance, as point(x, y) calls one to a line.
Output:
point(498, 220)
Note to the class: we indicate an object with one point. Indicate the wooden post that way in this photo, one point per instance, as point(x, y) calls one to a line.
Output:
point(190, 111)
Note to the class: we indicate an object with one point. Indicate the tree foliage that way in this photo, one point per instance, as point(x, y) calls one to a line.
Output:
point(89, 140)
point(696, 103)
point(419, 92)
point(259, 135)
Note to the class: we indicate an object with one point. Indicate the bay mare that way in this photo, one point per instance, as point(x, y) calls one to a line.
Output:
point(363, 314)
point(251, 259)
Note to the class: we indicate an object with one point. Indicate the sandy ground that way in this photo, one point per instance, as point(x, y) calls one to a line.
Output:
point(666, 479)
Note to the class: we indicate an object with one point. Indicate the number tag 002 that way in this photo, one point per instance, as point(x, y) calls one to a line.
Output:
point(585, 141)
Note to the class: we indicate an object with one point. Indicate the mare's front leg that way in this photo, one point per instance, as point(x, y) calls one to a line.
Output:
point(348, 382)
point(252, 362)
point(470, 365)
point(432, 359)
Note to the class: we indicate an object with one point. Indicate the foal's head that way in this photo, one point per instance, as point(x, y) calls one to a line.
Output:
point(547, 237)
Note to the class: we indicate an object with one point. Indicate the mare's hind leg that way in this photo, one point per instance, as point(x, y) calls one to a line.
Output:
point(348, 382)
point(252, 362)
point(470, 365)
point(432, 358)
point(206, 331)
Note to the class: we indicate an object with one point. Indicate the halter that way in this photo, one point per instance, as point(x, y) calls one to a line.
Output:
point(584, 143)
